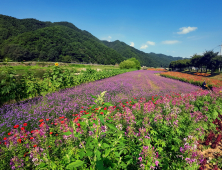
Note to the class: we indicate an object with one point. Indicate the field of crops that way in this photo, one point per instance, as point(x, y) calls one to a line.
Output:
point(140, 121)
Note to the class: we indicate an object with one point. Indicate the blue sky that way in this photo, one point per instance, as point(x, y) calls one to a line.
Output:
point(172, 27)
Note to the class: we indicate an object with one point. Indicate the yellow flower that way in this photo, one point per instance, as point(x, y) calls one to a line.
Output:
point(220, 91)
point(56, 64)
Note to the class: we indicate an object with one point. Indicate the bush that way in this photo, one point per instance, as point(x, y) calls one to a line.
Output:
point(126, 64)
point(137, 63)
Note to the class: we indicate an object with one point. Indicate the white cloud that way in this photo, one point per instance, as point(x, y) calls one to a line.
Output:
point(185, 30)
point(150, 43)
point(132, 44)
point(170, 42)
point(109, 37)
point(143, 46)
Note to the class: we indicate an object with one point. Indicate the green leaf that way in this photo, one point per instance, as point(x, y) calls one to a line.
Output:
point(98, 154)
point(214, 114)
point(99, 165)
point(75, 164)
point(107, 104)
point(82, 154)
point(93, 96)
point(89, 153)
point(117, 155)
point(67, 133)
point(86, 116)
point(42, 165)
point(105, 145)
point(111, 126)
point(101, 119)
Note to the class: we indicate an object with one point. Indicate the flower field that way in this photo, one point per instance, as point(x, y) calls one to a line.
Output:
point(156, 69)
point(193, 79)
point(140, 121)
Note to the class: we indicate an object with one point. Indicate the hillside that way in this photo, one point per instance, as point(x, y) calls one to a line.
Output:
point(146, 59)
point(32, 40)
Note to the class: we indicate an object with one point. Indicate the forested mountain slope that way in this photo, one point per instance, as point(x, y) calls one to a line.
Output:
point(31, 40)
point(146, 59)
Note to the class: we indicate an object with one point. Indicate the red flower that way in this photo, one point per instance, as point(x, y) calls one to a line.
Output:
point(47, 119)
point(82, 107)
point(126, 102)
point(25, 124)
point(105, 108)
point(16, 126)
point(55, 123)
point(22, 128)
point(9, 133)
point(31, 138)
point(61, 117)
point(19, 140)
point(5, 138)
point(101, 113)
point(76, 120)
point(123, 105)
point(56, 134)
point(34, 146)
point(50, 133)
point(78, 124)
point(41, 124)
point(49, 146)
point(134, 98)
point(62, 122)
point(41, 120)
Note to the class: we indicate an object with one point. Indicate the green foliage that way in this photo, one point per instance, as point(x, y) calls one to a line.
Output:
point(130, 63)
point(127, 64)
point(209, 60)
point(137, 63)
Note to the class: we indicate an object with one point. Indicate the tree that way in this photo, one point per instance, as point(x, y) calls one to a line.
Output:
point(207, 57)
point(196, 61)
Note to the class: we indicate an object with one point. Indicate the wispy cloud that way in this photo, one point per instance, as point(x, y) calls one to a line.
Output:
point(170, 42)
point(150, 43)
point(107, 38)
point(143, 46)
point(185, 30)
point(132, 44)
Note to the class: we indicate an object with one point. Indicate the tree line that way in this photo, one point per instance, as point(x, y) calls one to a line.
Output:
point(208, 61)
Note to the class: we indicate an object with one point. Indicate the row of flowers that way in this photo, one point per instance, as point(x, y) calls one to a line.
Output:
point(156, 69)
point(202, 74)
point(193, 79)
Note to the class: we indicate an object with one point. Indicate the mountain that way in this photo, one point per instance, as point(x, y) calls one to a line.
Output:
point(31, 40)
point(146, 59)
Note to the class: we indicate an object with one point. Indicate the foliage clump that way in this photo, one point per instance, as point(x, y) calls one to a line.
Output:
point(130, 63)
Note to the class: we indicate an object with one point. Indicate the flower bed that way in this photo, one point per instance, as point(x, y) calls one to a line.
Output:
point(156, 69)
point(139, 134)
point(193, 79)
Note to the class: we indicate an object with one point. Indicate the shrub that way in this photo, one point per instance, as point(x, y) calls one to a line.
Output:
point(127, 64)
